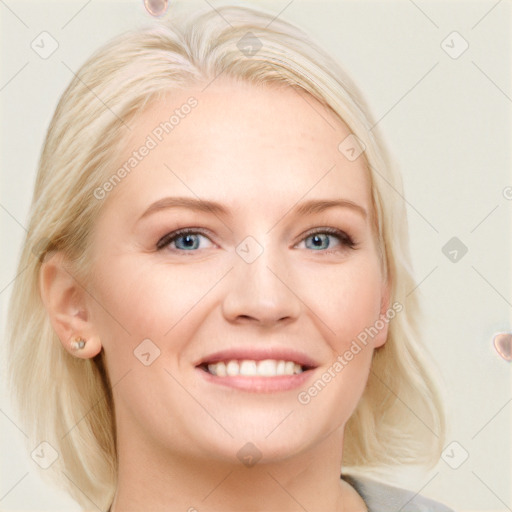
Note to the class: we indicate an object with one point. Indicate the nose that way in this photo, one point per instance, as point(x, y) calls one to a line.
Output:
point(262, 292)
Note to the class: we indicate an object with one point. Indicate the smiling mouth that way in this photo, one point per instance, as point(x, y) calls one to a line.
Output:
point(252, 368)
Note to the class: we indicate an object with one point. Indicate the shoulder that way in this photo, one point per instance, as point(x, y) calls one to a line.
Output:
point(380, 497)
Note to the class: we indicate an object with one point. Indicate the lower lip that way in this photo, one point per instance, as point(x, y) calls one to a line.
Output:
point(259, 384)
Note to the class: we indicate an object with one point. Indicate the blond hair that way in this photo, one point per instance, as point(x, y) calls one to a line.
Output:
point(67, 401)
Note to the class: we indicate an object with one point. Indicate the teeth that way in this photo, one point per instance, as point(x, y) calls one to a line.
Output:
point(249, 368)
point(221, 369)
point(267, 368)
point(233, 368)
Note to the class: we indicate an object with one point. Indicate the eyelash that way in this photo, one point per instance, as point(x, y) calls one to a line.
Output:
point(346, 240)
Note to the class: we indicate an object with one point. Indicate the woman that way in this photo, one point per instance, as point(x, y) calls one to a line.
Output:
point(221, 282)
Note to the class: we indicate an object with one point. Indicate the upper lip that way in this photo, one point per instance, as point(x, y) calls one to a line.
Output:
point(259, 354)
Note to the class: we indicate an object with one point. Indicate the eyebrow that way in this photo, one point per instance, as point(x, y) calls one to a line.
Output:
point(203, 205)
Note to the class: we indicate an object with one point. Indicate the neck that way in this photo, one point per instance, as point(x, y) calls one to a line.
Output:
point(155, 480)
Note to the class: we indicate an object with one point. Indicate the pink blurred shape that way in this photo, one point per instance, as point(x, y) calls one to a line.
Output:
point(503, 345)
point(156, 7)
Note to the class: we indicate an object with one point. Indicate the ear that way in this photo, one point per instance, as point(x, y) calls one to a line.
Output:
point(384, 317)
point(65, 301)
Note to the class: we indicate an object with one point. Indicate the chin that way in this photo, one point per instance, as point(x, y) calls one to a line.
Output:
point(263, 440)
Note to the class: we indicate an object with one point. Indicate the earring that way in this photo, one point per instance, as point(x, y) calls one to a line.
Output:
point(78, 343)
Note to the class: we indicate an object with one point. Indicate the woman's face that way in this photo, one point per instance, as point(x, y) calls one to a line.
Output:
point(267, 274)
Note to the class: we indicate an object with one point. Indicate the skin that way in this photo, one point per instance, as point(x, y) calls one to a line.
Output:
point(259, 151)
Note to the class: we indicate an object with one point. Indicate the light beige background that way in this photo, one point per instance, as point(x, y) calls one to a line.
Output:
point(447, 123)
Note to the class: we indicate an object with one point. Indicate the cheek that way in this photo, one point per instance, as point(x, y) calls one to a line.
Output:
point(348, 299)
point(138, 300)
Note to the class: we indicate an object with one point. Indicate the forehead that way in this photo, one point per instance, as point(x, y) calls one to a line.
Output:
point(240, 144)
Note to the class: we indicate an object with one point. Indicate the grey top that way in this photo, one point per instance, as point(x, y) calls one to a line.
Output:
point(380, 497)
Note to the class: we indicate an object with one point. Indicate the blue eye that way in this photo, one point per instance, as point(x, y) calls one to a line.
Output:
point(321, 239)
point(184, 239)
point(187, 240)
point(190, 241)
